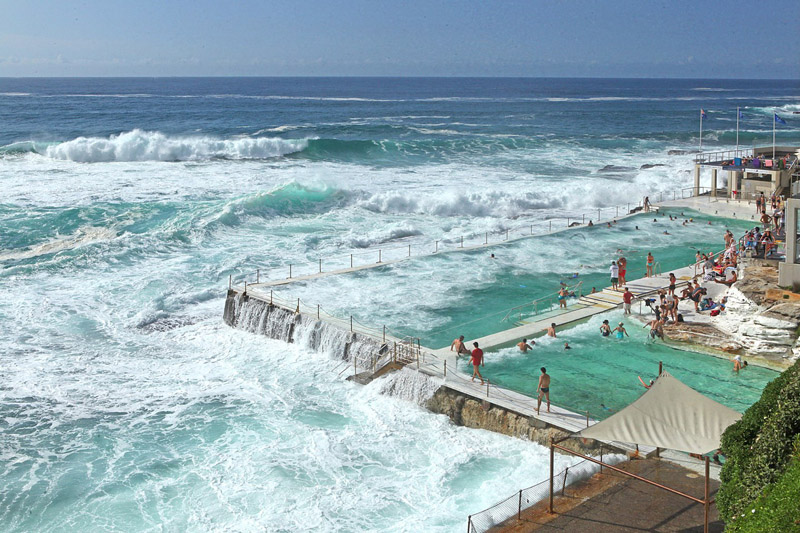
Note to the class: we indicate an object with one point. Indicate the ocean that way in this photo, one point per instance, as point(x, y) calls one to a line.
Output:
point(125, 402)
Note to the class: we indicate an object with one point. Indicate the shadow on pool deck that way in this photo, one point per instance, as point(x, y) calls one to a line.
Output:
point(610, 502)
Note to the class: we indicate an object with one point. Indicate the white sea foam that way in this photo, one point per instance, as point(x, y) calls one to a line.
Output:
point(139, 145)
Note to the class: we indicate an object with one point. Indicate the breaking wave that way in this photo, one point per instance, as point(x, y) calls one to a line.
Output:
point(139, 145)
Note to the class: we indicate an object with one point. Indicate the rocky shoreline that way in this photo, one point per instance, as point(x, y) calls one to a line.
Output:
point(758, 323)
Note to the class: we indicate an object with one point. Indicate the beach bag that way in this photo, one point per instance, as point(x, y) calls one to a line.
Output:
point(715, 312)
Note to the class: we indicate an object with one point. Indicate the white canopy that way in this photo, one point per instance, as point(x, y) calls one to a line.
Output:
point(669, 415)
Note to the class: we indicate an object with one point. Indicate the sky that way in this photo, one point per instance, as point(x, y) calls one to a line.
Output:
point(573, 38)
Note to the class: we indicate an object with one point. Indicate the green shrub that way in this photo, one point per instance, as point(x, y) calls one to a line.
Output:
point(759, 447)
point(778, 509)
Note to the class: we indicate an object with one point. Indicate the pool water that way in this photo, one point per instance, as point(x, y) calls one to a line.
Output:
point(601, 374)
point(439, 297)
point(442, 296)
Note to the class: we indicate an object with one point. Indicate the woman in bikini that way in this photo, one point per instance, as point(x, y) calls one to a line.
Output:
point(650, 263)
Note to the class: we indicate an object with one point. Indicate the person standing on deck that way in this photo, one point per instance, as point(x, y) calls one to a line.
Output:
point(646, 204)
point(458, 344)
point(477, 362)
point(614, 269)
point(672, 281)
point(544, 390)
point(627, 299)
point(622, 263)
point(650, 262)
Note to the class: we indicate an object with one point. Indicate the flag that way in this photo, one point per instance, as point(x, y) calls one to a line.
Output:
point(779, 120)
point(703, 114)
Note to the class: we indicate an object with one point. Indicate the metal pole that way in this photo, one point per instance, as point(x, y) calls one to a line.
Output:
point(487, 387)
point(618, 211)
point(270, 297)
point(626, 473)
point(317, 311)
point(601, 458)
point(660, 367)
point(587, 419)
point(384, 333)
point(583, 218)
point(380, 252)
point(258, 275)
point(552, 453)
point(245, 287)
point(320, 265)
point(531, 229)
point(351, 323)
point(351, 260)
point(290, 271)
point(519, 507)
point(230, 280)
point(469, 524)
point(598, 215)
point(550, 226)
point(445, 368)
point(462, 241)
point(567, 221)
point(409, 250)
point(564, 483)
point(705, 502)
point(486, 238)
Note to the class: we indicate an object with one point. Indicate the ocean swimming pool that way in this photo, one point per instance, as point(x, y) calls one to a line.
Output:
point(442, 296)
point(601, 374)
point(439, 297)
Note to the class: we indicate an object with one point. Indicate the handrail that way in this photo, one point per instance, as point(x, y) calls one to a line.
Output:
point(547, 297)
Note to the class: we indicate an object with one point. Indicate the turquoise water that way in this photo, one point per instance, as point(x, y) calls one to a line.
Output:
point(603, 371)
point(127, 405)
point(440, 297)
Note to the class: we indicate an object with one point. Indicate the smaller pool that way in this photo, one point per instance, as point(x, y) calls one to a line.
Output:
point(603, 371)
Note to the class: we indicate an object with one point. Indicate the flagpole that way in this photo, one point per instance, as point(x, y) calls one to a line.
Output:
point(701, 130)
point(737, 131)
point(774, 121)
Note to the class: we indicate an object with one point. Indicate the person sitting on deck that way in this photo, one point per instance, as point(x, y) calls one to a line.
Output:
point(730, 276)
point(458, 344)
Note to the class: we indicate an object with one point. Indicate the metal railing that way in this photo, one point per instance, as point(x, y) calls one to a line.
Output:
point(723, 155)
point(543, 304)
point(525, 498)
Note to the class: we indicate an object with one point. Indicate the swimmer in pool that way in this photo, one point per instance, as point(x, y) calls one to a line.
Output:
point(620, 331)
point(605, 329)
point(524, 346)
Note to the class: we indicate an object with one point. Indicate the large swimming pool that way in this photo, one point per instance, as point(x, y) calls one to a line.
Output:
point(601, 374)
point(442, 296)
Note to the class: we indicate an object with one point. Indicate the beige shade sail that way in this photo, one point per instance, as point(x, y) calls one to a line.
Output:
point(669, 415)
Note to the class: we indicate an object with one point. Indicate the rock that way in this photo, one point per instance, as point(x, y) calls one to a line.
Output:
point(651, 165)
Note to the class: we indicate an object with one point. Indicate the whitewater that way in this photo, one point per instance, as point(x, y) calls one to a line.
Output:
point(126, 404)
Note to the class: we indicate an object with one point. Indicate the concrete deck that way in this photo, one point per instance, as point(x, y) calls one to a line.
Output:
point(611, 502)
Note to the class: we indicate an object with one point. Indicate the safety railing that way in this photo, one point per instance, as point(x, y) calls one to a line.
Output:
point(526, 498)
point(543, 304)
point(723, 155)
point(374, 257)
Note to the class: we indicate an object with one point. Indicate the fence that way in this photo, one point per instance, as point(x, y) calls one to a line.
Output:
point(525, 498)
point(384, 256)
